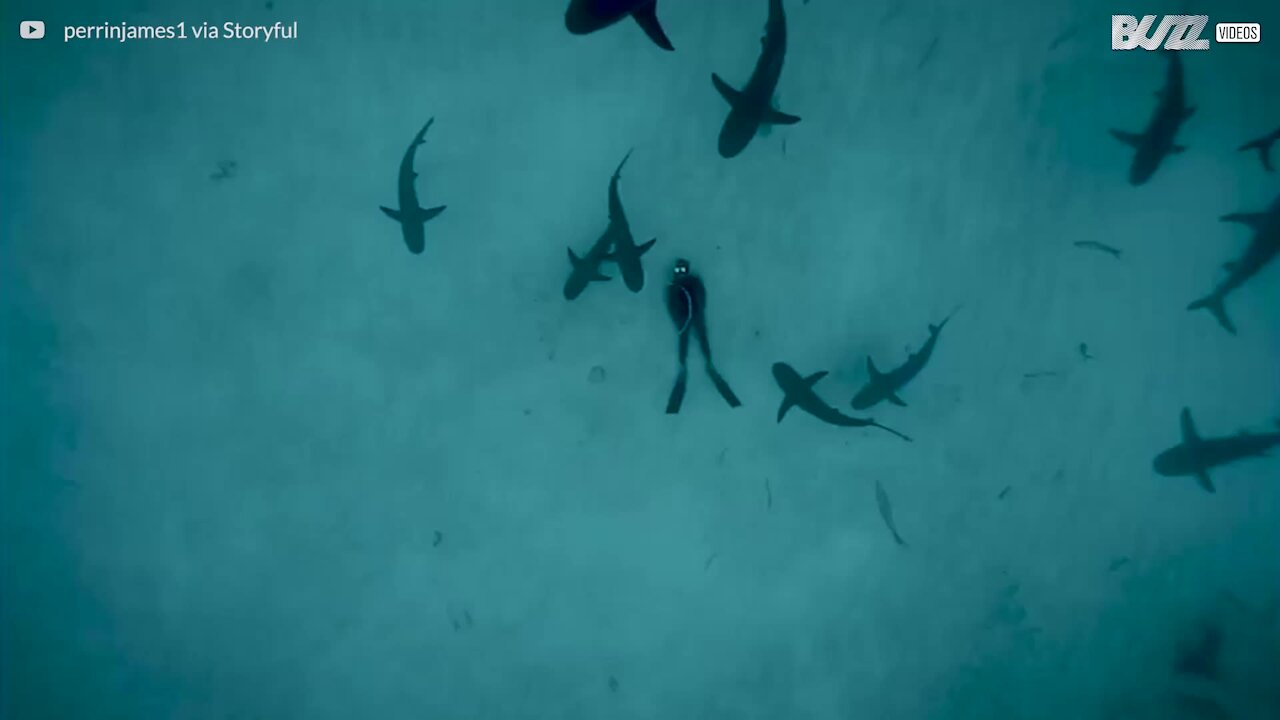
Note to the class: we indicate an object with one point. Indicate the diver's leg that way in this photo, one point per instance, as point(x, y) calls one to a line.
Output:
point(677, 391)
point(700, 327)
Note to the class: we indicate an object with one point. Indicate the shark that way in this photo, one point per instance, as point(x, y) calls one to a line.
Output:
point(1263, 247)
point(798, 392)
point(885, 385)
point(1263, 146)
point(626, 254)
point(752, 107)
point(587, 16)
point(411, 215)
point(1195, 455)
point(615, 243)
point(1157, 141)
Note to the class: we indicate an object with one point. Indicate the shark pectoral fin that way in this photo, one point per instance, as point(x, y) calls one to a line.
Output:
point(777, 117)
point(1189, 434)
point(787, 404)
point(1191, 110)
point(574, 260)
point(1253, 220)
point(393, 214)
point(731, 96)
point(893, 398)
point(1230, 265)
point(646, 16)
point(871, 368)
point(1128, 138)
point(600, 277)
point(1177, 148)
point(814, 378)
point(1203, 478)
point(426, 214)
point(645, 247)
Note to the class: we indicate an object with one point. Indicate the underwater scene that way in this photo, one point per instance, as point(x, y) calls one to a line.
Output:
point(626, 360)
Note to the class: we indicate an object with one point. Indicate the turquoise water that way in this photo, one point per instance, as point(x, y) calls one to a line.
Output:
point(259, 461)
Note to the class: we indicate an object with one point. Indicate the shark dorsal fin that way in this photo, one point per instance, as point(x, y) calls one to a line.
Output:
point(1189, 434)
point(813, 379)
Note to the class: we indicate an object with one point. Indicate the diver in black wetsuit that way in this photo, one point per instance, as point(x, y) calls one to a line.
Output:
point(687, 303)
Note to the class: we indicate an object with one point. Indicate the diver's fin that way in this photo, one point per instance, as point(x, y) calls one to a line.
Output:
point(1214, 304)
point(893, 398)
point(1128, 138)
point(393, 214)
point(1189, 434)
point(676, 399)
point(1253, 220)
point(1203, 478)
point(774, 116)
point(722, 387)
point(646, 16)
point(731, 96)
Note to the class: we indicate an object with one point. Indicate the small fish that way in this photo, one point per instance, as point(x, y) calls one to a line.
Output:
point(886, 513)
point(1084, 352)
point(1200, 657)
point(1045, 373)
point(1117, 564)
point(613, 684)
point(1064, 36)
point(1100, 247)
point(928, 53)
point(1004, 492)
point(707, 565)
point(226, 169)
point(439, 538)
point(768, 495)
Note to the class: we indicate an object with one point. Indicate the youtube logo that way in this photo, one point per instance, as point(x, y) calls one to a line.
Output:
point(31, 29)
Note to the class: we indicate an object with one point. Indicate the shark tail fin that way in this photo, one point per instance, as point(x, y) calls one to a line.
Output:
point(1214, 304)
point(646, 16)
point(1263, 146)
point(1252, 220)
point(391, 213)
point(731, 96)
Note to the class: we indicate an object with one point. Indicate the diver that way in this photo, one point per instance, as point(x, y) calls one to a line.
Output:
point(687, 303)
